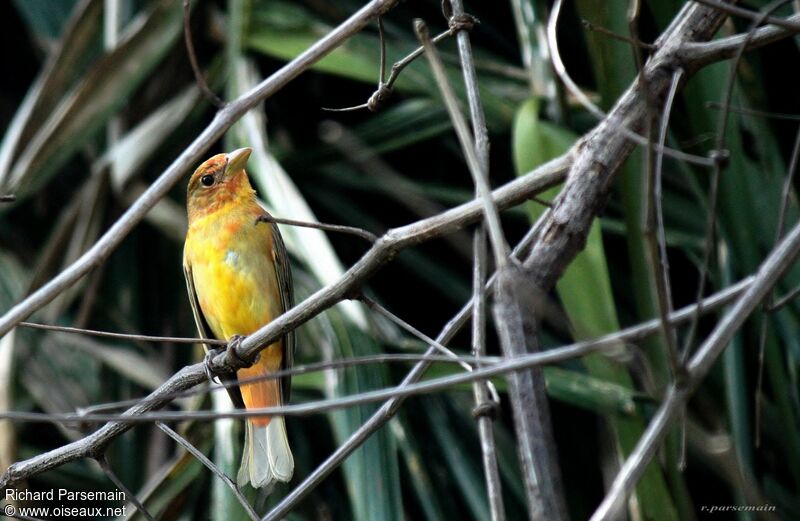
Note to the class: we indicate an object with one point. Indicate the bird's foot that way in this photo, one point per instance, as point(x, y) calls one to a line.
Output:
point(236, 361)
point(210, 373)
point(233, 344)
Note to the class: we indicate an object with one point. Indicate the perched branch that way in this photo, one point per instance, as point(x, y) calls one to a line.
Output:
point(499, 368)
point(9, 198)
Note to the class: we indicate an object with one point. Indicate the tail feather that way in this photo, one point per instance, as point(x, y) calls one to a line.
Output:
point(266, 457)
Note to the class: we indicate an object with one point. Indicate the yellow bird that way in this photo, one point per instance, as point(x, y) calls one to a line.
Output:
point(238, 278)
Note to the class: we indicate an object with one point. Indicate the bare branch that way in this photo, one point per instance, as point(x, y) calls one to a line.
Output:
point(414, 331)
point(124, 336)
point(195, 374)
point(792, 25)
point(202, 458)
point(656, 234)
point(620, 37)
point(485, 408)
point(583, 99)
point(337, 228)
point(477, 166)
point(754, 112)
point(701, 53)
point(103, 462)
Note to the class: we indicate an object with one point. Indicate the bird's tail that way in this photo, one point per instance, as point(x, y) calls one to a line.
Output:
point(266, 457)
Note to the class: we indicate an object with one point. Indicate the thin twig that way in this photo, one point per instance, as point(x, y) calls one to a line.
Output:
point(382, 38)
point(198, 74)
point(620, 37)
point(769, 305)
point(754, 112)
point(385, 89)
point(375, 306)
point(633, 13)
point(721, 163)
point(476, 165)
point(779, 303)
point(485, 409)
point(754, 16)
point(403, 190)
point(702, 53)
point(8, 198)
point(124, 336)
point(103, 462)
point(340, 363)
point(663, 287)
point(202, 458)
point(337, 228)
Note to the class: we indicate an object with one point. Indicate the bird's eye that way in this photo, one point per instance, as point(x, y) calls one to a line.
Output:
point(207, 180)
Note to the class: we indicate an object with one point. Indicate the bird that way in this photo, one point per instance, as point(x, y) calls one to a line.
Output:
point(238, 279)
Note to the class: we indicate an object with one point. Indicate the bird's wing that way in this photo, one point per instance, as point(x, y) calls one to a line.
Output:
point(204, 330)
point(284, 276)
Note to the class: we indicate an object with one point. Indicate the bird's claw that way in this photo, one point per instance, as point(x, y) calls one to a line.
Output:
point(238, 362)
point(210, 373)
point(233, 344)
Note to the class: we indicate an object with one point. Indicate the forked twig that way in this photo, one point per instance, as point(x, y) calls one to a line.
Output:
point(337, 228)
point(385, 88)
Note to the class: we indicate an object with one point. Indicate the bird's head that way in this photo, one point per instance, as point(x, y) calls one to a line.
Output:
point(218, 180)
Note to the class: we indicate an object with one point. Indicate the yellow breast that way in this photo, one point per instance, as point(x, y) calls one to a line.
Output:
point(234, 272)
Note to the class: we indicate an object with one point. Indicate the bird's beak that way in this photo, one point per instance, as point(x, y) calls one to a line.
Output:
point(237, 160)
